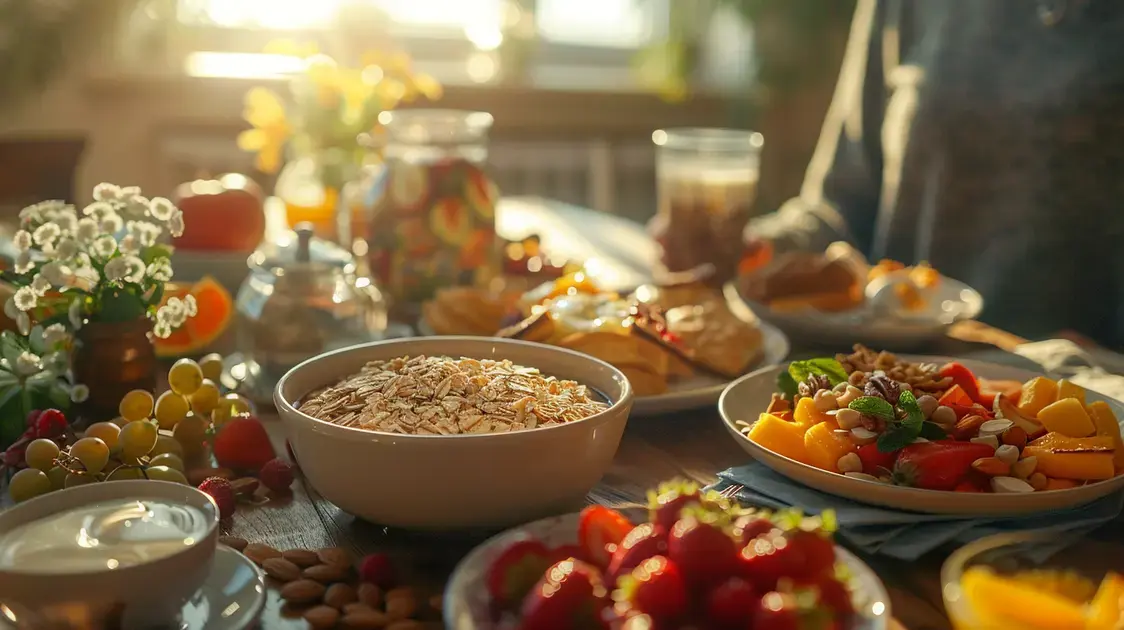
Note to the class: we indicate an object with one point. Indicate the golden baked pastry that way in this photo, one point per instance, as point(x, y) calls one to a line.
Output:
point(719, 341)
point(466, 311)
point(626, 353)
point(800, 280)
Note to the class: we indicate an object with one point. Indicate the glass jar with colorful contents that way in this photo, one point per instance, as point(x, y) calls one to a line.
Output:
point(433, 220)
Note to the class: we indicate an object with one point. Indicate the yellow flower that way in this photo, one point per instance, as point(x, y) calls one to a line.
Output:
point(264, 110)
point(292, 48)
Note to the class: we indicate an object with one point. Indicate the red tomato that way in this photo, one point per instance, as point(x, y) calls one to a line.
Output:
point(599, 526)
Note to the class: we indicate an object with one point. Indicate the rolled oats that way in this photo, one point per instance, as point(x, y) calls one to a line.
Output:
point(444, 396)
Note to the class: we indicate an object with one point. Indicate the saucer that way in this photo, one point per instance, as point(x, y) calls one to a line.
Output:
point(232, 598)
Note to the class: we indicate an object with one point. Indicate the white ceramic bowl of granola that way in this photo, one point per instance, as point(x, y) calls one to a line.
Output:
point(746, 398)
point(444, 482)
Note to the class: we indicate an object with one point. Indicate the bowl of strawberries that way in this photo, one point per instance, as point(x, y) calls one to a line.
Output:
point(693, 559)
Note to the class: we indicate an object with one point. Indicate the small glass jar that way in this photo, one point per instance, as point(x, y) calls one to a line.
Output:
point(706, 187)
point(433, 219)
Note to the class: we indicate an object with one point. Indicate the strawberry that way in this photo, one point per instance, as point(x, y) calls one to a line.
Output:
point(243, 444)
point(516, 571)
point(937, 465)
point(565, 552)
point(748, 527)
point(777, 611)
point(834, 595)
point(220, 490)
point(768, 559)
point(50, 423)
point(705, 554)
point(569, 596)
point(875, 462)
point(643, 542)
point(277, 475)
point(377, 569)
point(599, 526)
point(665, 504)
point(731, 604)
point(655, 587)
point(967, 486)
point(817, 550)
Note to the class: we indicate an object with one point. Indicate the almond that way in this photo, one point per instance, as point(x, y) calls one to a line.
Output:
point(259, 553)
point(327, 573)
point(281, 569)
point(436, 602)
point(406, 624)
point(302, 592)
point(245, 486)
point(301, 557)
point(322, 617)
point(370, 594)
point(234, 542)
point(401, 603)
point(968, 427)
point(334, 556)
point(365, 620)
point(1015, 436)
point(340, 595)
point(992, 466)
point(862, 436)
point(355, 607)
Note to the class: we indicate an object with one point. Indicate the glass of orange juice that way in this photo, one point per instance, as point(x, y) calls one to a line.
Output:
point(1025, 582)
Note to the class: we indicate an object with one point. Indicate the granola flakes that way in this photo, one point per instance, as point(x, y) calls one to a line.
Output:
point(444, 396)
point(864, 362)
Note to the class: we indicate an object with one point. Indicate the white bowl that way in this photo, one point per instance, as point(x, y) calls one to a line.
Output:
point(148, 594)
point(746, 398)
point(440, 482)
point(467, 605)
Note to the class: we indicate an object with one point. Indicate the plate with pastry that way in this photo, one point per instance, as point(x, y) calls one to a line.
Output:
point(679, 345)
point(838, 297)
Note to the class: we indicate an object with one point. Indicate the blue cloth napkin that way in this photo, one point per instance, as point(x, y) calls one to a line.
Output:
point(909, 535)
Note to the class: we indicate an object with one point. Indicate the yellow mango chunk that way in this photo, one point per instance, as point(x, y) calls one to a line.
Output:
point(1078, 466)
point(1037, 393)
point(1069, 389)
point(1003, 602)
point(806, 415)
point(824, 446)
point(1064, 444)
point(1068, 417)
point(780, 436)
point(1106, 611)
point(1108, 426)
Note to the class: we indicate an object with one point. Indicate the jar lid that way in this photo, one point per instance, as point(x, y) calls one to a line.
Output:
point(301, 251)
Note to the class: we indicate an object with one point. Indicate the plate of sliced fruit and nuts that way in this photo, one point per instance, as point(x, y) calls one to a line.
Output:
point(930, 434)
point(692, 560)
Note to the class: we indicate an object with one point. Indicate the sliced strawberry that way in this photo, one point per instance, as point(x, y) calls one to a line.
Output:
point(569, 596)
point(665, 504)
point(731, 604)
point(875, 462)
point(656, 588)
point(643, 542)
point(599, 526)
point(937, 465)
point(706, 555)
point(515, 571)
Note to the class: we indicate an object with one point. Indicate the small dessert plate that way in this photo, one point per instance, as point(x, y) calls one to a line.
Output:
point(232, 597)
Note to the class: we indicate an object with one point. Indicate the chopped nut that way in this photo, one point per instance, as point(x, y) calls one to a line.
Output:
point(1007, 454)
point(849, 463)
point(301, 557)
point(1038, 481)
point(825, 400)
point(322, 617)
point(969, 427)
point(990, 440)
point(928, 404)
point(1024, 468)
point(850, 394)
point(1010, 484)
point(302, 592)
point(863, 436)
point(992, 466)
point(848, 419)
point(996, 427)
point(944, 416)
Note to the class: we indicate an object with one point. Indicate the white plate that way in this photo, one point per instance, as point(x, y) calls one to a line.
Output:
point(746, 398)
point(466, 602)
point(700, 391)
point(954, 301)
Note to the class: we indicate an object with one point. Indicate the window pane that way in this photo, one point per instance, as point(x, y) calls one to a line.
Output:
point(617, 23)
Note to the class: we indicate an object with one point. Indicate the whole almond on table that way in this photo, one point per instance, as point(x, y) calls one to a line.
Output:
point(245, 486)
point(301, 557)
point(234, 542)
point(340, 595)
point(303, 592)
point(196, 476)
point(259, 553)
point(406, 624)
point(322, 617)
point(281, 569)
point(358, 607)
point(327, 573)
point(334, 556)
point(401, 603)
point(370, 594)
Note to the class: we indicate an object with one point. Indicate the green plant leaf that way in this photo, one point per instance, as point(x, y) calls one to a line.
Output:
point(874, 406)
point(120, 305)
point(895, 438)
point(933, 431)
point(786, 385)
point(914, 419)
point(832, 369)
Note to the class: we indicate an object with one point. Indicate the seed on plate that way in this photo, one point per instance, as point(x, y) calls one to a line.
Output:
point(301, 557)
point(281, 569)
point(1024, 468)
point(259, 553)
point(302, 592)
point(327, 573)
point(1010, 484)
point(322, 617)
point(334, 555)
point(234, 542)
point(370, 594)
point(1007, 454)
point(340, 595)
point(990, 440)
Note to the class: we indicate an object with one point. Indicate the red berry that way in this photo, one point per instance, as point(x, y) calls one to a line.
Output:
point(378, 570)
point(32, 416)
point(731, 604)
point(569, 595)
point(599, 527)
point(50, 423)
point(704, 553)
point(747, 528)
point(277, 475)
point(767, 559)
point(222, 493)
point(834, 595)
point(243, 444)
point(643, 542)
point(776, 611)
point(656, 587)
point(817, 551)
point(669, 501)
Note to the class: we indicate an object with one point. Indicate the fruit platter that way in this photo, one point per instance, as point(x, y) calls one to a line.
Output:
point(837, 296)
point(677, 342)
point(691, 560)
point(929, 434)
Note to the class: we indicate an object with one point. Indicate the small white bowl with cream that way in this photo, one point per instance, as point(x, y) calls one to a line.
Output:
point(124, 553)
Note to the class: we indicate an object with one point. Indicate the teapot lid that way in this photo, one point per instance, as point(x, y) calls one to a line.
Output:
point(300, 250)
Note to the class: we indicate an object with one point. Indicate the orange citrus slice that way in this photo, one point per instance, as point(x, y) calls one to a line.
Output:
point(215, 309)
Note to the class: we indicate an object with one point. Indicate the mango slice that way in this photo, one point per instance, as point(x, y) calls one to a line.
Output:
point(1106, 611)
point(824, 446)
point(1037, 393)
point(1058, 443)
point(1069, 389)
point(781, 437)
point(1068, 417)
point(1108, 426)
point(1004, 602)
point(807, 415)
point(1078, 466)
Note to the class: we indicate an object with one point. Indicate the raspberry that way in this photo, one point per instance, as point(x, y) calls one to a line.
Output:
point(377, 569)
point(222, 493)
point(50, 423)
point(277, 475)
point(32, 416)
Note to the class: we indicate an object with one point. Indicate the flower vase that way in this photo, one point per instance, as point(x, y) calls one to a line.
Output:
point(113, 358)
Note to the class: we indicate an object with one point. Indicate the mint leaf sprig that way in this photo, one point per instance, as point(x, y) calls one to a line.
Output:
point(799, 371)
point(902, 432)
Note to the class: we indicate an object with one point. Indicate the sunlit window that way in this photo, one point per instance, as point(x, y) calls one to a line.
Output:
point(608, 23)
